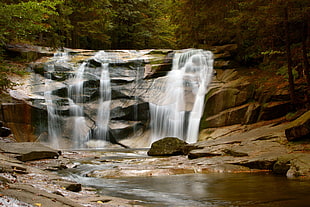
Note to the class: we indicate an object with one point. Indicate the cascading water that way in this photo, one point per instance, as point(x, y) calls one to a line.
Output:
point(103, 116)
point(81, 112)
point(54, 120)
point(76, 99)
point(174, 115)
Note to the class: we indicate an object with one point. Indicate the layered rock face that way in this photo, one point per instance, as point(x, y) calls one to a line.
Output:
point(68, 91)
point(237, 98)
point(137, 78)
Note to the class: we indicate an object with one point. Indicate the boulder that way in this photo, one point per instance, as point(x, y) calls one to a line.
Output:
point(168, 146)
point(27, 151)
point(300, 128)
point(69, 185)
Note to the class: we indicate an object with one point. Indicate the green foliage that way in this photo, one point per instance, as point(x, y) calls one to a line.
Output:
point(25, 19)
point(138, 24)
point(283, 72)
point(272, 52)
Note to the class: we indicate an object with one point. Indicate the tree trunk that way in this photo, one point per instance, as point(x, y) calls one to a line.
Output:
point(305, 58)
point(289, 58)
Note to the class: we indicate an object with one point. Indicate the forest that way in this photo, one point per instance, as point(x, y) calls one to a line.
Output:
point(269, 33)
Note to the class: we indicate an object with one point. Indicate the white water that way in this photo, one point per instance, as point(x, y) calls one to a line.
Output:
point(76, 99)
point(174, 115)
point(54, 124)
point(103, 116)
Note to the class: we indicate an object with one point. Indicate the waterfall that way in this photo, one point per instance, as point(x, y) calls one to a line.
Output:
point(174, 114)
point(103, 116)
point(53, 118)
point(76, 96)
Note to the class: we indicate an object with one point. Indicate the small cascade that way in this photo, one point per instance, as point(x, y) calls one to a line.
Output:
point(178, 111)
point(76, 100)
point(54, 125)
point(103, 116)
point(76, 87)
point(54, 119)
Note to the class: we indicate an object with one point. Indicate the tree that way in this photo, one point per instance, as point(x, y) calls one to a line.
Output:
point(90, 20)
point(202, 22)
point(138, 24)
point(22, 21)
point(25, 20)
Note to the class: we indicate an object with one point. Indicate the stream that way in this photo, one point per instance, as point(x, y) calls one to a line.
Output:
point(212, 189)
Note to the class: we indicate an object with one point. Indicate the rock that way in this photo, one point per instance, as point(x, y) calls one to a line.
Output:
point(26, 151)
point(227, 117)
point(23, 120)
point(293, 165)
point(232, 94)
point(168, 146)
point(230, 48)
point(9, 167)
point(205, 152)
point(230, 168)
point(69, 185)
point(28, 52)
point(273, 110)
point(31, 195)
point(234, 153)
point(4, 131)
point(156, 70)
point(283, 164)
point(300, 128)
point(222, 64)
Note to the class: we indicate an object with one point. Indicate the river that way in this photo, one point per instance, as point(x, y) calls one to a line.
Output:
point(212, 189)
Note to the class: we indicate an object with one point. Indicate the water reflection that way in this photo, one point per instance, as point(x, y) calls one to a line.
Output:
point(206, 190)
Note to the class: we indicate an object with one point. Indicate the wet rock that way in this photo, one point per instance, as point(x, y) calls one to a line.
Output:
point(168, 146)
point(300, 128)
point(230, 168)
point(26, 151)
point(293, 165)
point(300, 167)
point(282, 165)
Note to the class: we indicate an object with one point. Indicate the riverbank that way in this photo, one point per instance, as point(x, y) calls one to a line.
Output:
point(36, 182)
point(261, 147)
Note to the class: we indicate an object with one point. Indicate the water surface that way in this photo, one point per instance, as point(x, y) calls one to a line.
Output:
point(214, 189)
